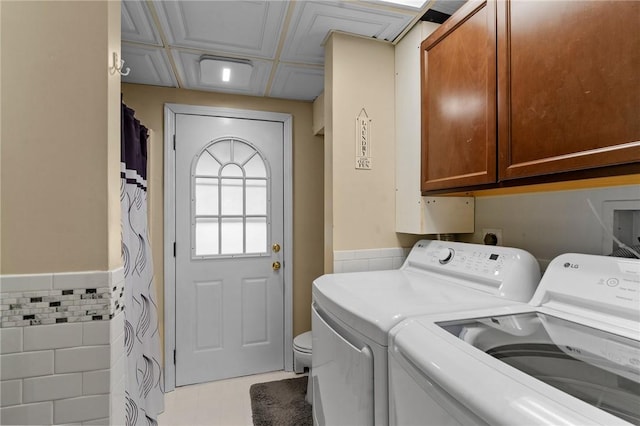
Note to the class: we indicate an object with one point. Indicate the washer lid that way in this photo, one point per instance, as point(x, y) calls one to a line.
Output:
point(373, 302)
point(540, 345)
point(515, 372)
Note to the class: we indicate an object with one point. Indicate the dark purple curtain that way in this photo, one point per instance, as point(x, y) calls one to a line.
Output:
point(133, 143)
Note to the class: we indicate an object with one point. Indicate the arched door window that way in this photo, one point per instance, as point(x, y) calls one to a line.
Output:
point(230, 199)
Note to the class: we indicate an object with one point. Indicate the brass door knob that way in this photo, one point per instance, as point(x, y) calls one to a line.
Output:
point(275, 247)
point(276, 265)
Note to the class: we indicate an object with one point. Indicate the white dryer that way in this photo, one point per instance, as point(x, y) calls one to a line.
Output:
point(352, 314)
point(569, 357)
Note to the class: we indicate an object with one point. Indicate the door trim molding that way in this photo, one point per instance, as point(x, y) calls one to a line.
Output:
point(170, 111)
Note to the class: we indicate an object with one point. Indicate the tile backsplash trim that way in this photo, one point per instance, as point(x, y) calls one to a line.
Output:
point(369, 259)
point(42, 299)
point(62, 348)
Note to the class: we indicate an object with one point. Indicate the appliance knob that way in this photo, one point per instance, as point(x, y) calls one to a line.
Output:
point(444, 255)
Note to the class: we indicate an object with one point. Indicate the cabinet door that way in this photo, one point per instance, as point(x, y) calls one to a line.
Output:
point(568, 85)
point(458, 76)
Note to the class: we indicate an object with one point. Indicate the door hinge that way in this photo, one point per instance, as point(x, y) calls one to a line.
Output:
point(174, 356)
point(174, 142)
point(174, 249)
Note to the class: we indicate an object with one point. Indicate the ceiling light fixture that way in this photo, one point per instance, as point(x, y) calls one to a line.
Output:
point(225, 72)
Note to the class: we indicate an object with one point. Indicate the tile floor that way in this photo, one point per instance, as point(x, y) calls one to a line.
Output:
point(221, 403)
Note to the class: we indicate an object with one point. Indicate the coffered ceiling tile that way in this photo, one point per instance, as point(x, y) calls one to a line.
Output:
point(137, 24)
point(148, 65)
point(238, 27)
point(188, 67)
point(312, 21)
point(297, 82)
point(413, 5)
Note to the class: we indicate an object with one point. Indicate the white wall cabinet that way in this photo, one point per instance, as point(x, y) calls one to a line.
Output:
point(416, 214)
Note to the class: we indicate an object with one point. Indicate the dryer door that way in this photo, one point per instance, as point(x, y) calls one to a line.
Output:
point(342, 369)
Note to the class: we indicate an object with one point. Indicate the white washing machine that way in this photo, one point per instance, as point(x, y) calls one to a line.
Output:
point(352, 314)
point(569, 357)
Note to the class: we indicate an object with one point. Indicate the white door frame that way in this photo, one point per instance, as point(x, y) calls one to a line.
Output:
point(170, 111)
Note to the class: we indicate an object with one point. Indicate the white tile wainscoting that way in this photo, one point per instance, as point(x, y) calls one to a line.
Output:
point(62, 348)
point(369, 260)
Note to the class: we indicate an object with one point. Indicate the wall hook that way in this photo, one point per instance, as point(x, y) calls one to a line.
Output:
point(118, 66)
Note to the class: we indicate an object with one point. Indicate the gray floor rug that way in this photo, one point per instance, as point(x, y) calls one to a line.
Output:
point(280, 403)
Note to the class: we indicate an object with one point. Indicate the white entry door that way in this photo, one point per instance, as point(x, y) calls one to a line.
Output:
point(229, 285)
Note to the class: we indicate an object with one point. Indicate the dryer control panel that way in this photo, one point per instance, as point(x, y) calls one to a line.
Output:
point(503, 271)
point(478, 261)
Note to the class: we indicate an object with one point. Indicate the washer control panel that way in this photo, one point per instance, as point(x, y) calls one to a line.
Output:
point(594, 281)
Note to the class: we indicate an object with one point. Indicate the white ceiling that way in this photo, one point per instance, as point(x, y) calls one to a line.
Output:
point(163, 41)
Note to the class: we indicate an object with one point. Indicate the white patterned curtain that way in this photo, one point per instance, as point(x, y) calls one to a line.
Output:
point(143, 381)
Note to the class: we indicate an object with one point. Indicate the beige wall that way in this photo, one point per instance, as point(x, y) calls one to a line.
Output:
point(328, 156)
point(1, 140)
point(114, 136)
point(359, 73)
point(148, 102)
point(60, 137)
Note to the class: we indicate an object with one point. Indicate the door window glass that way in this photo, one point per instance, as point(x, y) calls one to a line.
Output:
point(229, 209)
point(232, 196)
point(206, 232)
point(255, 167)
point(257, 234)
point(207, 165)
point(206, 196)
point(256, 196)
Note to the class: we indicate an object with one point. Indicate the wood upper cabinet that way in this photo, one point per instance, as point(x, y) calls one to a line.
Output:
point(458, 75)
point(568, 85)
point(530, 88)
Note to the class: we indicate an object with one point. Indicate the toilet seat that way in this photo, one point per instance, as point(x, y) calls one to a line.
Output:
point(302, 350)
point(302, 342)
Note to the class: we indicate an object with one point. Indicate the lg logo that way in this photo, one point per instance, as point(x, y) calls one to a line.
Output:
point(571, 265)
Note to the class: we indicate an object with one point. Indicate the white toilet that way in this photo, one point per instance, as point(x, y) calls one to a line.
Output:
point(302, 359)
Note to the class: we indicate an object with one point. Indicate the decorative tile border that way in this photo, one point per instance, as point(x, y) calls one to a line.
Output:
point(39, 305)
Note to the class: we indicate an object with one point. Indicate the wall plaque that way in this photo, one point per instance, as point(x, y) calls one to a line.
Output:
point(363, 141)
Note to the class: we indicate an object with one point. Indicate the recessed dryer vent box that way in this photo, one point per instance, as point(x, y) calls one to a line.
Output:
point(622, 218)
